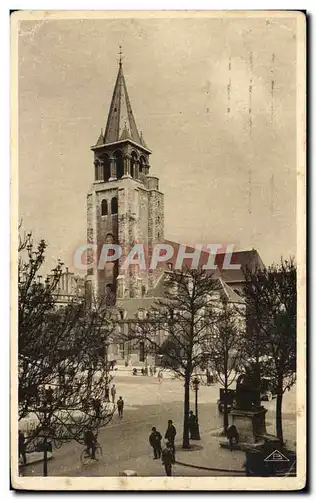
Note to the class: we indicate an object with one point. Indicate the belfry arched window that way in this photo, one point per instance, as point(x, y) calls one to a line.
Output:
point(104, 207)
point(114, 206)
point(133, 164)
point(142, 163)
point(106, 168)
point(119, 163)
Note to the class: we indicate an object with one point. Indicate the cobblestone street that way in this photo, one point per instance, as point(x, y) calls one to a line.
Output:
point(148, 403)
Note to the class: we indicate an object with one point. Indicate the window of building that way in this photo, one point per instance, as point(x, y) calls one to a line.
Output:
point(114, 206)
point(119, 163)
point(104, 207)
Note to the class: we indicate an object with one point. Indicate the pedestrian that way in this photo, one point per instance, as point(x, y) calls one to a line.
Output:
point(155, 370)
point(160, 377)
point(192, 425)
point(171, 435)
point(97, 407)
point(22, 447)
point(151, 371)
point(90, 442)
point(49, 395)
point(232, 436)
point(107, 394)
point(167, 458)
point(113, 393)
point(120, 406)
point(155, 442)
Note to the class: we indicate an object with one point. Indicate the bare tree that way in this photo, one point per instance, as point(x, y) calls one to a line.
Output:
point(62, 363)
point(185, 314)
point(226, 347)
point(271, 307)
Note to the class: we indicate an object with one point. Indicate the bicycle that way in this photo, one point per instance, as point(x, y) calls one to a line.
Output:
point(86, 458)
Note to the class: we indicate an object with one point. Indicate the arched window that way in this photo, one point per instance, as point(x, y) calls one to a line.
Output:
point(114, 206)
point(142, 163)
point(106, 168)
point(104, 207)
point(96, 170)
point(133, 164)
point(119, 163)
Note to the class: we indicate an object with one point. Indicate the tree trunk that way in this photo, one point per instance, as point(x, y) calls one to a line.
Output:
point(225, 391)
point(186, 439)
point(45, 457)
point(225, 414)
point(278, 415)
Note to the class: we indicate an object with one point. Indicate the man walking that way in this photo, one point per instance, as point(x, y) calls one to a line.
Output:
point(90, 441)
point(22, 447)
point(192, 425)
point(107, 394)
point(113, 393)
point(168, 458)
point(120, 406)
point(49, 395)
point(171, 434)
point(155, 442)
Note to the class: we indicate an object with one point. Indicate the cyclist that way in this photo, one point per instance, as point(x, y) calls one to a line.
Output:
point(90, 442)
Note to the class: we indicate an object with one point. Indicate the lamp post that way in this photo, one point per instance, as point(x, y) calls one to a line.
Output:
point(196, 384)
point(45, 433)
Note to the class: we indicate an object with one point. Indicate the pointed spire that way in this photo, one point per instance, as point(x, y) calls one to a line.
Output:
point(121, 121)
point(125, 134)
point(143, 143)
point(100, 141)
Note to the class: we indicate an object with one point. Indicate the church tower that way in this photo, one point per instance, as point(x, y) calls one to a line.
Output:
point(124, 204)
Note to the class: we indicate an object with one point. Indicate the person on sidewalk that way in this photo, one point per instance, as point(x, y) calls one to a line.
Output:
point(107, 394)
point(192, 425)
point(167, 458)
point(171, 435)
point(120, 406)
point(22, 447)
point(155, 442)
point(96, 403)
point(90, 442)
point(49, 395)
point(113, 393)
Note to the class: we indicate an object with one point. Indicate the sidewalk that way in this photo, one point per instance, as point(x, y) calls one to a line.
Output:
point(207, 455)
point(206, 458)
point(35, 457)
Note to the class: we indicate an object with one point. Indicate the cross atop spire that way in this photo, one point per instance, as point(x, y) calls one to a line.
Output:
point(120, 54)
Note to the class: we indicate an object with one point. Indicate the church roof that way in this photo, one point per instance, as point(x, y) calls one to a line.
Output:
point(246, 258)
point(121, 123)
point(133, 306)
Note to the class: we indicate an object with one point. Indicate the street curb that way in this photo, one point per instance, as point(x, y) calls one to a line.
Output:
point(234, 471)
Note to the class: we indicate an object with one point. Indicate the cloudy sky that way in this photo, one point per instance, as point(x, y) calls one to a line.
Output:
point(224, 180)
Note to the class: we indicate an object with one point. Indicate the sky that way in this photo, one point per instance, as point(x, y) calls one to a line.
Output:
point(225, 180)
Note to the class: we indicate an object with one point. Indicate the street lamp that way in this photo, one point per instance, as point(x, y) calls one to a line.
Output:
point(196, 384)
